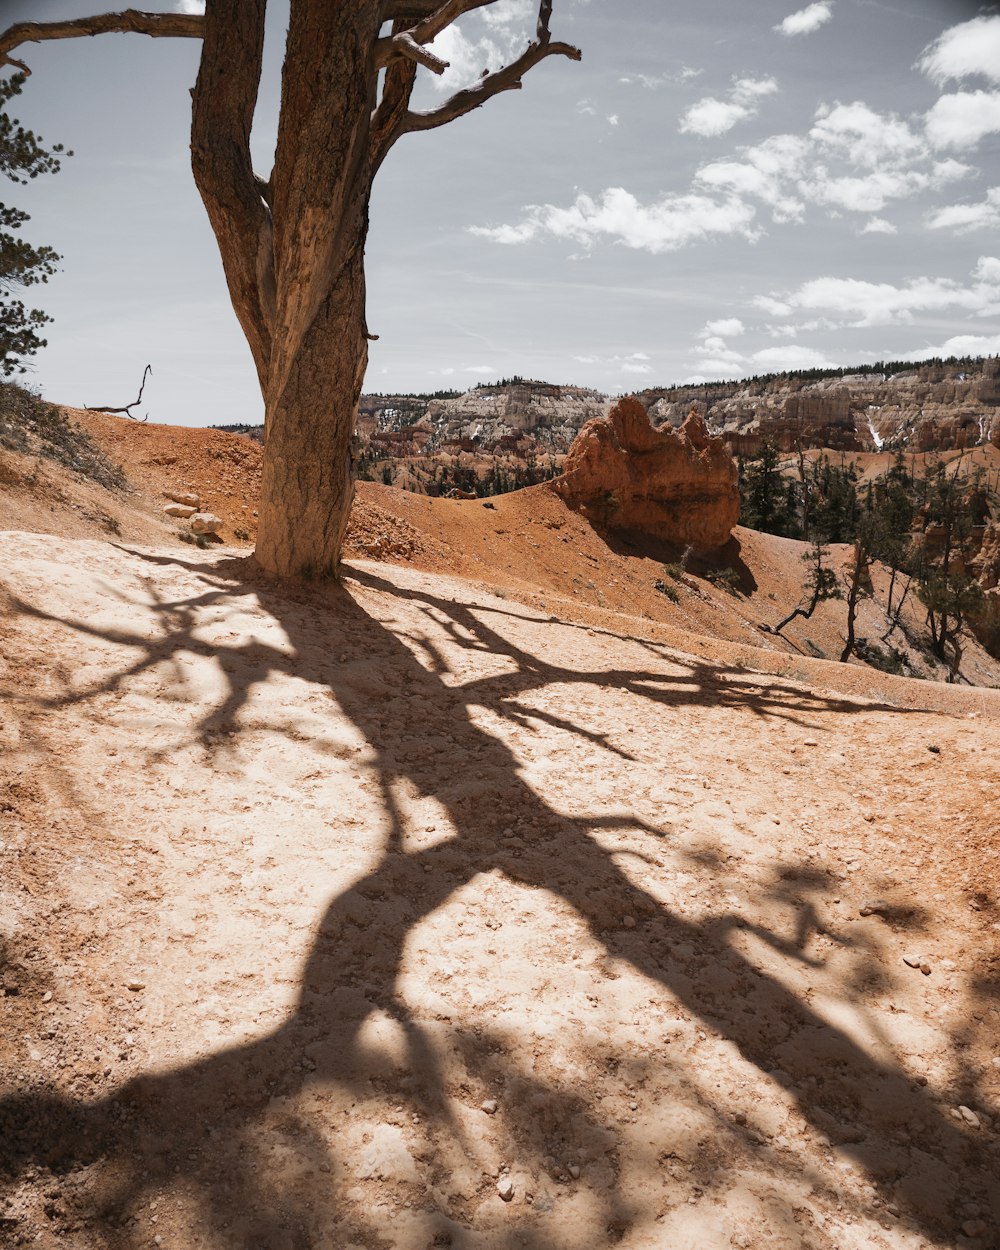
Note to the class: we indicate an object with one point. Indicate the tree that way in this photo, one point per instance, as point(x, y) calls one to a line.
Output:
point(292, 244)
point(768, 503)
point(857, 575)
point(820, 584)
point(21, 157)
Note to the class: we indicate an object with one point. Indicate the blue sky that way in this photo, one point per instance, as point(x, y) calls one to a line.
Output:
point(716, 190)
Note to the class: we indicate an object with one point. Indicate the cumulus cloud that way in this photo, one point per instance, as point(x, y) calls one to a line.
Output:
point(728, 327)
point(864, 137)
point(505, 29)
point(878, 225)
point(806, 20)
point(859, 303)
point(964, 51)
point(959, 345)
point(709, 116)
point(617, 216)
point(961, 119)
point(190, 6)
point(791, 356)
point(963, 218)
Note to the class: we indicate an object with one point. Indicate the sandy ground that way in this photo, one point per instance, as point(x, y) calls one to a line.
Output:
point(407, 914)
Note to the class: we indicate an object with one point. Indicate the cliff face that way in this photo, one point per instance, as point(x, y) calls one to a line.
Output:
point(486, 417)
point(678, 486)
point(932, 408)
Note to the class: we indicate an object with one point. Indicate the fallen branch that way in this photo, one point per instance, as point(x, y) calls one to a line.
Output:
point(128, 407)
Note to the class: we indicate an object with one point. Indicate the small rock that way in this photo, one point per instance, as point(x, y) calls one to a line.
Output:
point(505, 1188)
point(182, 510)
point(935, 750)
point(185, 498)
point(810, 742)
point(489, 1106)
point(969, 1116)
point(573, 1170)
point(47, 996)
point(925, 968)
point(948, 965)
point(205, 523)
point(912, 961)
point(628, 922)
point(135, 986)
point(974, 1228)
point(874, 907)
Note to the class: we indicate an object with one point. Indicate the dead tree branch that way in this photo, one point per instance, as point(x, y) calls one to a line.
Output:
point(127, 410)
point(506, 79)
point(131, 21)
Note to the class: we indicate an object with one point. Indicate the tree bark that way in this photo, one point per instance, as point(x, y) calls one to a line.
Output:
point(307, 485)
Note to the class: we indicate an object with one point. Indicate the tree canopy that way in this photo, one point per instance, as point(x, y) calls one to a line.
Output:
point(22, 157)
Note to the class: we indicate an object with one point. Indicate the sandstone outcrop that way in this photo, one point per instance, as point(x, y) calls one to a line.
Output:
point(677, 486)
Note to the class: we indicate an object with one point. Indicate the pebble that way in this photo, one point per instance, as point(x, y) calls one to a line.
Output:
point(573, 1170)
point(873, 907)
point(628, 922)
point(974, 1228)
point(969, 1116)
point(810, 742)
point(489, 1106)
point(47, 996)
point(505, 1188)
point(135, 986)
point(912, 961)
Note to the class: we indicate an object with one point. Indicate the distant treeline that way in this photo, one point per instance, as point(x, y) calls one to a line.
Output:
point(885, 367)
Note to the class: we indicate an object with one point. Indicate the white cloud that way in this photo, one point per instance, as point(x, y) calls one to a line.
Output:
point(663, 226)
point(791, 356)
point(806, 20)
point(878, 225)
point(860, 135)
point(965, 217)
point(972, 48)
point(190, 6)
point(612, 119)
point(959, 345)
point(769, 171)
point(862, 304)
point(961, 119)
point(709, 116)
point(632, 366)
point(728, 327)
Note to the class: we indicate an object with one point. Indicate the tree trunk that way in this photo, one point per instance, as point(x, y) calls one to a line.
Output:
point(307, 485)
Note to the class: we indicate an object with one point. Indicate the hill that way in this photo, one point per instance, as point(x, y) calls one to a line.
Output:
point(488, 899)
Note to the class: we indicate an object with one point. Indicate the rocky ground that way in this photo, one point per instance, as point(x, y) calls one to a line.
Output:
point(490, 899)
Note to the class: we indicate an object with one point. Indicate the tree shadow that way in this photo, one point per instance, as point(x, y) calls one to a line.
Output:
point(194, 1129)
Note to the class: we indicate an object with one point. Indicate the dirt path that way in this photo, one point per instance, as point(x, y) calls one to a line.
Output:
point(328, 915)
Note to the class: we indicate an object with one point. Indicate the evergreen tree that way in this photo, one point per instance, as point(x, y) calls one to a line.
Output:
point(21, 265)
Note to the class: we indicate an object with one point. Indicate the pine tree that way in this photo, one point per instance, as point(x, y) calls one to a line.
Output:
point(22, 157)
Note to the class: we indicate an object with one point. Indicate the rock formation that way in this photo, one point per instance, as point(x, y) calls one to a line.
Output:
point(678, 486)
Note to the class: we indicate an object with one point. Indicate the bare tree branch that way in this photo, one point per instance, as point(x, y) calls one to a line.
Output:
point(131, 21)
point(388, 118)
point(223, 104)
point(128, 407)
point(506, 79)
point(404, 44)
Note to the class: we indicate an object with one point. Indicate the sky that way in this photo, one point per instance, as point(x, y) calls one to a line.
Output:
point(717, 190)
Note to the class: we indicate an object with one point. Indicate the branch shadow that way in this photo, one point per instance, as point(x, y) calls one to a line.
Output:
point(193, 1127)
